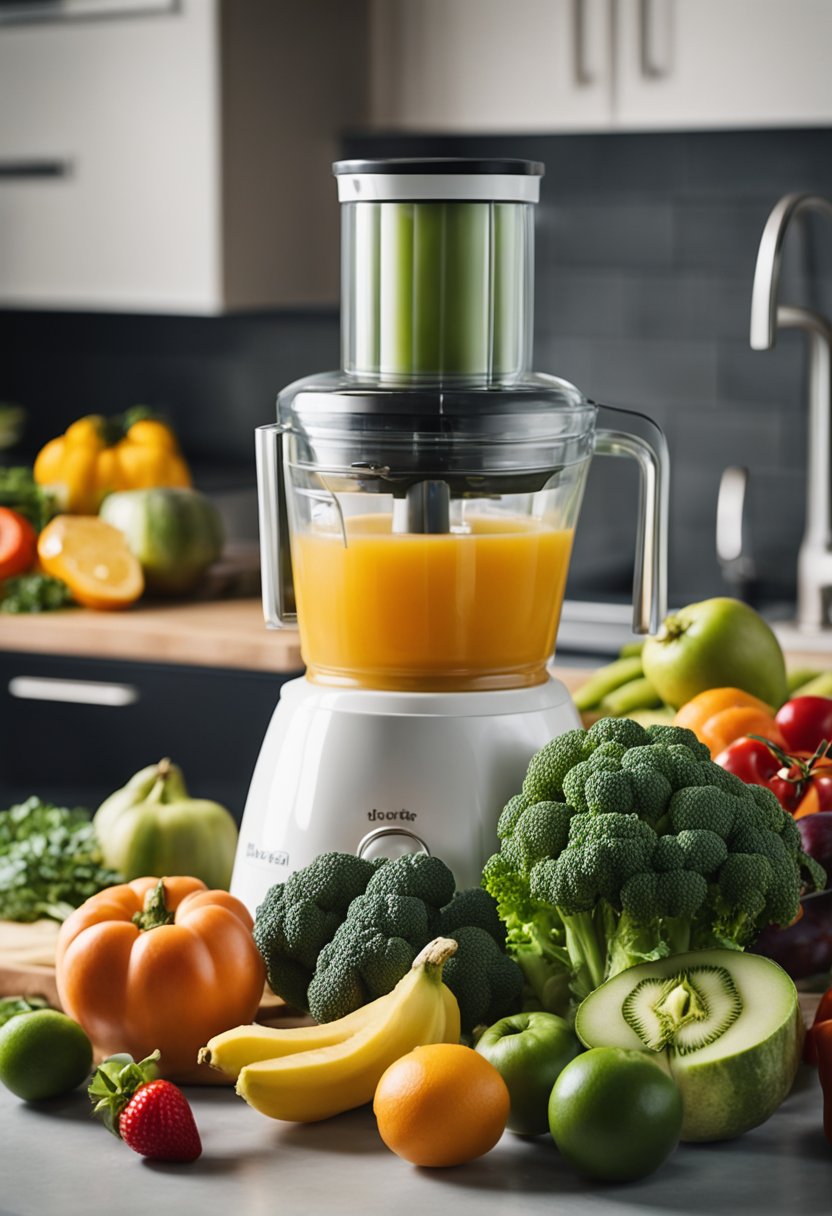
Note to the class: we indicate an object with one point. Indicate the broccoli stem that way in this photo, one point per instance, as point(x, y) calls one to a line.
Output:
point(545, 964)
point(587, 952)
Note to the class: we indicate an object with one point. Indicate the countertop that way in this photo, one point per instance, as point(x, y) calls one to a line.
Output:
point(56, 1159)
point(228, 633)
point(209, 633)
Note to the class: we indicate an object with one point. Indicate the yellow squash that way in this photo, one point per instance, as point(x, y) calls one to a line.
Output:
point(96, 456)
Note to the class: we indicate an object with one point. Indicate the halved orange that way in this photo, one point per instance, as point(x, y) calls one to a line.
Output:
point(92, 558)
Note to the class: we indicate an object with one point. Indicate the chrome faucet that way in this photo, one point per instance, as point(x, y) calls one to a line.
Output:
point(814, 562)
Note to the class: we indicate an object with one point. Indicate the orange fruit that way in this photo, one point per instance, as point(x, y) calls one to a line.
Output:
point(92, 558)
point(441, 1105)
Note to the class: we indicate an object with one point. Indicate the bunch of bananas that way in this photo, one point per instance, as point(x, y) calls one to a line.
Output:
point(314, 1072)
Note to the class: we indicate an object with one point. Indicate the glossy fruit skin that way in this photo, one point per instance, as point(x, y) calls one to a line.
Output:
point(158, 1123)
point(716, 643)
point(529, 1050)
point(172, 987)
point(805, 722)
point(43, 1054)
point(151, 826)
point(176, 533)
point(441, 1105)
point(614, 1114)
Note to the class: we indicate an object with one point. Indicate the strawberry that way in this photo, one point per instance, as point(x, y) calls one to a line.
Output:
point(151, 1116)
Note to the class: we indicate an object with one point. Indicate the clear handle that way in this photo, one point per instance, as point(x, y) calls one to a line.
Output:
point(275, 554)
point(650, 575)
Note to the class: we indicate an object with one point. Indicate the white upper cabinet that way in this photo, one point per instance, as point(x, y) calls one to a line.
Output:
point(560, 65)
point(175, 156)
point(490, 65)
point(723, 63)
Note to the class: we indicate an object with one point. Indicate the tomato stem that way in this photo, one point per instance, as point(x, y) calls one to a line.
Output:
point(795, 770)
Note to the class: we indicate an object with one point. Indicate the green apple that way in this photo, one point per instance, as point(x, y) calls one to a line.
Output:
point(718, 643)
point(529, 1050)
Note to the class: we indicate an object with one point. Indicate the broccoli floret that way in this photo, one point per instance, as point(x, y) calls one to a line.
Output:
point(487, 984)
point(332, 881)
point(739, 898)
point(667, 855)
point(813, 875)
point(577, 779)
point(417, 874)
point(685, 769)
point(702, 851)
point(541, 831)
point(650, 770)
point(702, 807)
point(299, 917)
point(673, 893)
point(619, 730)
point(472, 907)
point(510, 814)
point(607, 792)
point(676, 736)
point(371, 951)
point(359, 964)
point(648, 758)
point(548, 767)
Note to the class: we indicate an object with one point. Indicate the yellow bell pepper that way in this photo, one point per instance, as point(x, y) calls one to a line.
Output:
point(96, 456)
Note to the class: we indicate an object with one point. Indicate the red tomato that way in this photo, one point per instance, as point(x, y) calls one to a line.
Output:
point(805, 722)
point(749, 760)
point(802, 783)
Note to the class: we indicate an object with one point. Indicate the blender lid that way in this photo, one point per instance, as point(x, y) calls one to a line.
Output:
point(443, 178)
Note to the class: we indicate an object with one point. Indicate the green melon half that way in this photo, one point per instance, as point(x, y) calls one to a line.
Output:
point(727, 1026)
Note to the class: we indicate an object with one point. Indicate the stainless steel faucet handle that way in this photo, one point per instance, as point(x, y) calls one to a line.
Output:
point(769, 260)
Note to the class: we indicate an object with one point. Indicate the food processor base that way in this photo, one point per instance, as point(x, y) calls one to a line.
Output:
point(387, 773)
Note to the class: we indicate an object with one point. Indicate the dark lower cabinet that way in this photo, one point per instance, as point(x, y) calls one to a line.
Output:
point(73, 730)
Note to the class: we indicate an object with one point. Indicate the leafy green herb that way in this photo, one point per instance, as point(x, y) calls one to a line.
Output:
point(50, 861)
point(33, 593)
point(20, 491)
point(11, 1006)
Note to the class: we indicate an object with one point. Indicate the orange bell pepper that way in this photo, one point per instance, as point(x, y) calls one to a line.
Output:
point(159, 963)
point(720, 715)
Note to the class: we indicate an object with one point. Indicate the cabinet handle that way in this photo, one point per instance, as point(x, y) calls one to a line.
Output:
point(587, 25)
point(73, 692)
point(655, 37)
point(26, 170)
point(69, 10)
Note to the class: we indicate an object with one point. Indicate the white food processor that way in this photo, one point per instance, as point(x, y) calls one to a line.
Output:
point(417, 510)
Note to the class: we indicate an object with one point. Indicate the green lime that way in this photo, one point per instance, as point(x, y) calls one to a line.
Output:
point(43, 1054)
point(615, 1114)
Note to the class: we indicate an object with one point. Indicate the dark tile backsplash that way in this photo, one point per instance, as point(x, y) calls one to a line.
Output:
point(646, 246)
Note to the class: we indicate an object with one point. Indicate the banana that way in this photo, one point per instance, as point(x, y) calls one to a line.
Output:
point(323, 1081)
point(232, 1050)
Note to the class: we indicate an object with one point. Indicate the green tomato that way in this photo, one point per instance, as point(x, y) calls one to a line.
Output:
point(529, 1050)
point(615, 1114)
